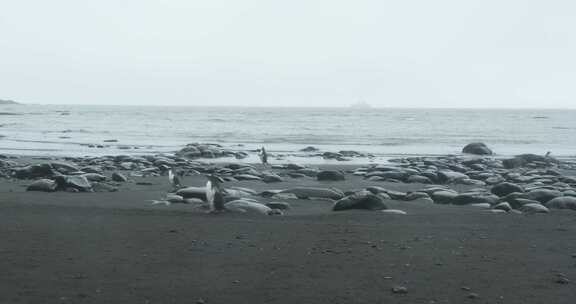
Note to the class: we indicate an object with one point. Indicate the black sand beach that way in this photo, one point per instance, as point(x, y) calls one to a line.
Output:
point(118, 248)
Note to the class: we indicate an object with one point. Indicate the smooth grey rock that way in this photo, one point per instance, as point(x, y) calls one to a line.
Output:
point(45, 185)
point(79, 183)
point(534, 208)
point(311, 192)
point(330, 175)
point(543, 195)
point(119, 177)
point(444, 197)
point(506, 188)
point(360, 200)
point(565, 202)
point(503, 206)
point(94, 177)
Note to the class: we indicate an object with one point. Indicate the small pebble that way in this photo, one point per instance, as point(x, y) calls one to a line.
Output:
point(473, 295)
point(399, 290)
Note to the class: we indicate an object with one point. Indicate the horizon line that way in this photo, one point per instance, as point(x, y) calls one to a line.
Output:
point(304, 107)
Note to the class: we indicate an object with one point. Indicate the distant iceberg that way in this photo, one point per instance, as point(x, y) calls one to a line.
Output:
point(361, 105)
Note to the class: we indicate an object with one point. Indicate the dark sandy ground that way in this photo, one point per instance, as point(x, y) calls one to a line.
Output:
point(118, 248)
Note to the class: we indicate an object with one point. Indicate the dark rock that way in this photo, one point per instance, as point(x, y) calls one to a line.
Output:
point(278, 205)
point(119, 177)
point(34, 171)
point(543, 195)
point(360, 200)
point(477, 148)
point(534, 208)
point(444, 197)
point(503, 206)
point(103, 187)
point(330, 175)
point(565, 202)
point(271, 178)
point(309, 149)
point(64, 168)
point(311, 192)
point(78, 182)
point(506, 188)
point(94, 177)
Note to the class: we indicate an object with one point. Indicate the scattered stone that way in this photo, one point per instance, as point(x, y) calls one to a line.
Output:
point(534, 208)
point(399, 290)
point(330, 175)
point(506, 188)
point(565, 202)
point(311, 192)
point(119, 177)
point(45, 185)
point(360, 200)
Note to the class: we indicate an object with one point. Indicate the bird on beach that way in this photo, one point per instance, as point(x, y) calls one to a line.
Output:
point(174, 180)
point(215, 193)
point(263, 156)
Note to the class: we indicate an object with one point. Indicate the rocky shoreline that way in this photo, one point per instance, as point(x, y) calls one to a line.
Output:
point(526, 183)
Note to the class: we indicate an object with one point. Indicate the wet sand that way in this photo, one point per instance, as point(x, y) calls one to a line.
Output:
point(118, 248)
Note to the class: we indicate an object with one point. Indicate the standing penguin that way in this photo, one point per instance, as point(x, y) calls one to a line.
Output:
point(174, 180)
point(263, 156)
point(215, 193)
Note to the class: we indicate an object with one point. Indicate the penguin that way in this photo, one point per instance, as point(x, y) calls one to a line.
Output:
point(263, 156)
point(215, 193)
point(174, 180)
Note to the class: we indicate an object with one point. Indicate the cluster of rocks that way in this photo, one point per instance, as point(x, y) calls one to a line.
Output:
point(344, 155)
point(66, 176)
point(197, 150)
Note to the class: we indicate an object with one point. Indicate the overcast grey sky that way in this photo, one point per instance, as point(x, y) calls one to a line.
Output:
point(419, 53)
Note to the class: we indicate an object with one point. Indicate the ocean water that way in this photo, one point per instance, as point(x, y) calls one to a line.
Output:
point(70, 129)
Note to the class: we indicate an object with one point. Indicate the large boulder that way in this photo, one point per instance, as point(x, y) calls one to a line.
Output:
point(44, 185)
point(506, 188)
point(119, 177)
point(543, 195)
point(34, 171)
point(360, 200)
point(78, 182)
point(444, 197)
point(477, 149)
point(565, 202)
point(534, 208)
